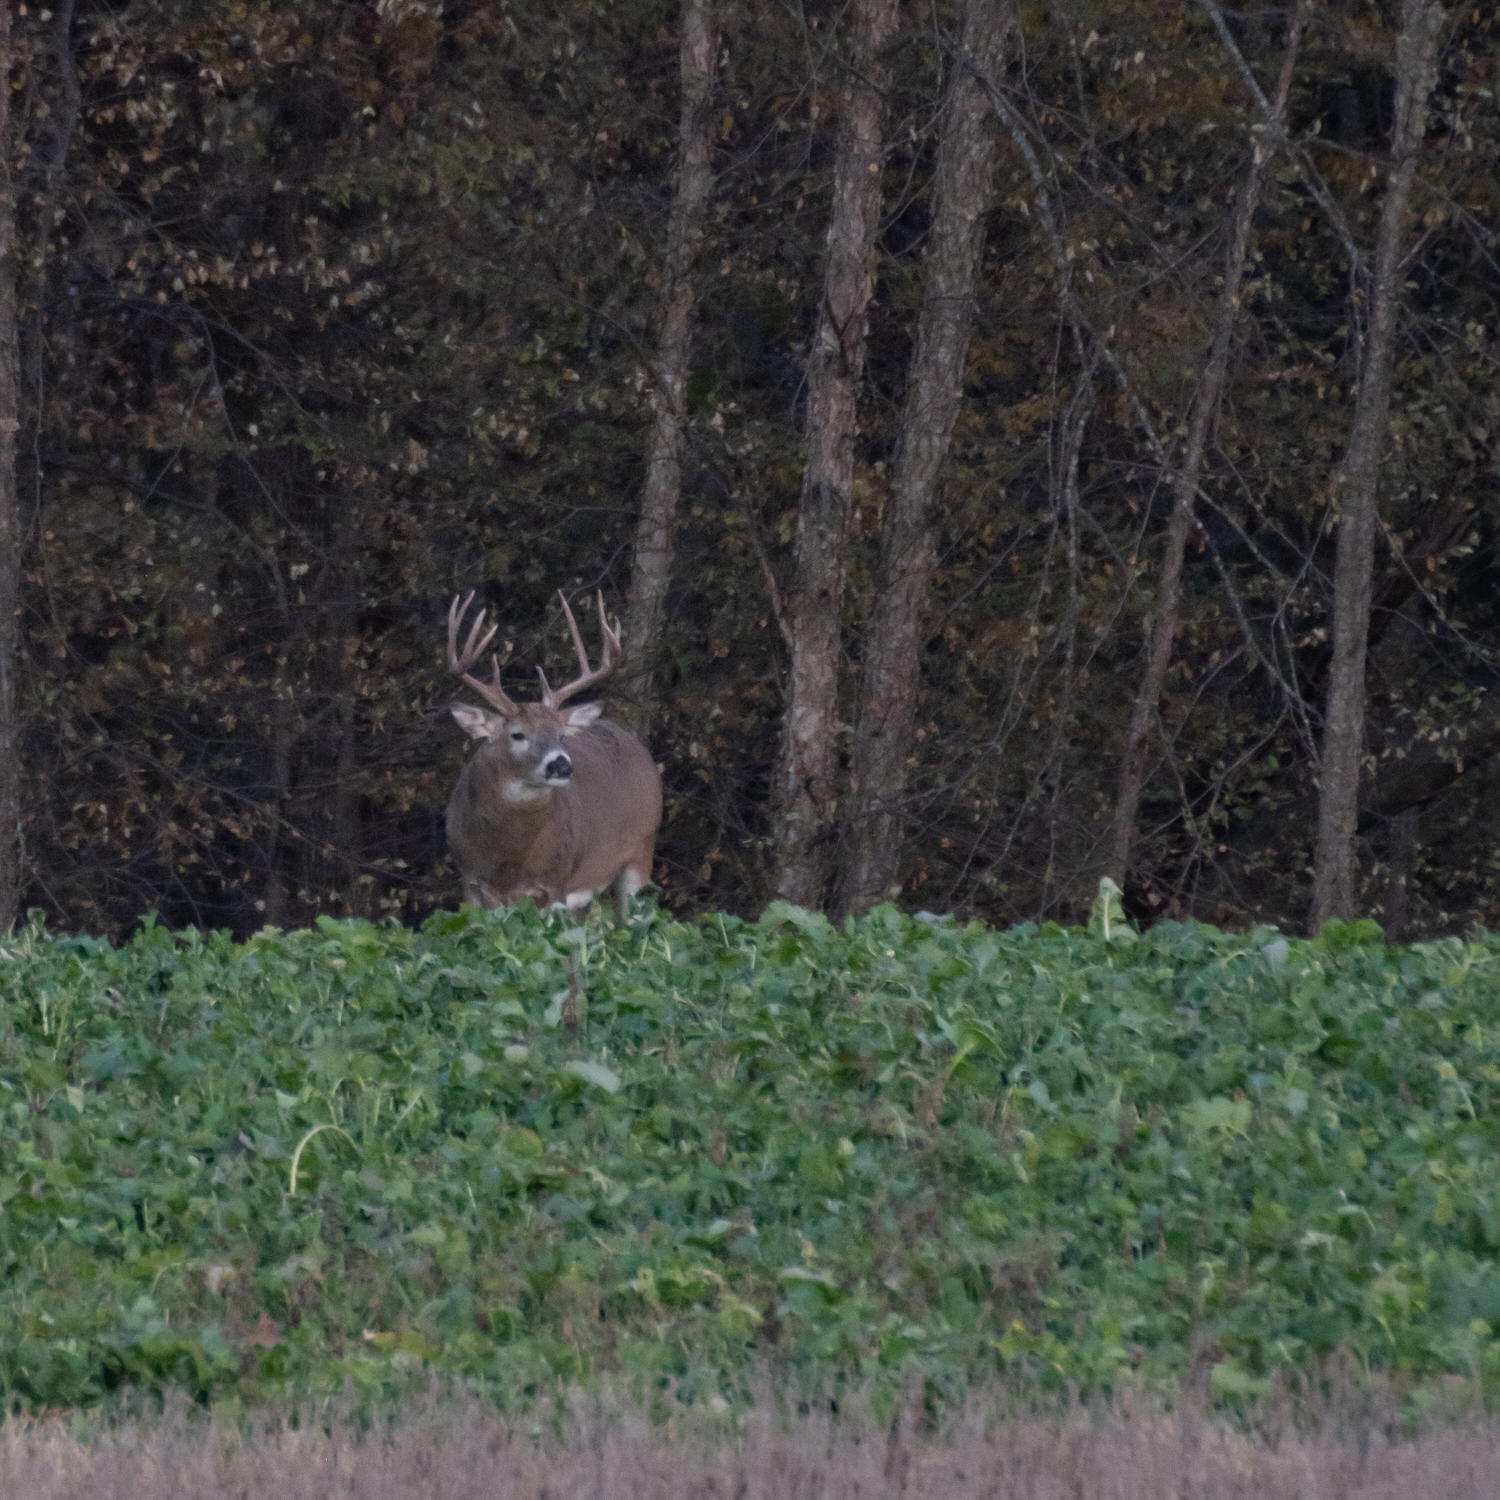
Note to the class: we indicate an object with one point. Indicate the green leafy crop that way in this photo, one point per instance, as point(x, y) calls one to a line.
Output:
point(514, 1151)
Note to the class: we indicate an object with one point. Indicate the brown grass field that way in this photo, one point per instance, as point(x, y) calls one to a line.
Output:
point(458, 1449)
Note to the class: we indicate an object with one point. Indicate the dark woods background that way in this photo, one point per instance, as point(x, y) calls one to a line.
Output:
point(326, 311)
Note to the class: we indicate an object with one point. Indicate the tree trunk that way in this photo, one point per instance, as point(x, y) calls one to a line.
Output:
point(46, 318)
point(805, 791)
point(10, 524)
point(653, 535)
point(962, 187)
point(1400, 866)
point(1355, 486)
point(344, 858)
point(1184, 484)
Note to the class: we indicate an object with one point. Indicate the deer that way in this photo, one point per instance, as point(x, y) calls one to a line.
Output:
point(554, 802)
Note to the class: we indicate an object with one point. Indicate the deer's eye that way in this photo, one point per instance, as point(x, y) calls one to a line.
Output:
point(518, 736)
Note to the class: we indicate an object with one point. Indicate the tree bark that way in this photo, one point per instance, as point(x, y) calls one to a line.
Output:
point(1400, 867)
point(10, 520)
point(1184, 483)
point(962, 188)
point(39, 299)
point(652, 564)
point(1356, 485)
point(805, 793)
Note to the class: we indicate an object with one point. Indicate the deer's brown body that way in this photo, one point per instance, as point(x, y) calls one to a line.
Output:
point(554, 803)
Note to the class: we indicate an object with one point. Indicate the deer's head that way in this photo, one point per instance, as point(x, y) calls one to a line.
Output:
point(528, 740)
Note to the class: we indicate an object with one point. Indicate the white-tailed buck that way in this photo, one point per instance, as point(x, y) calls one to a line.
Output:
point(554, 803)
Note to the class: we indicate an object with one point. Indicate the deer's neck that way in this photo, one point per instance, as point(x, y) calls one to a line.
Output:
point(501, 801)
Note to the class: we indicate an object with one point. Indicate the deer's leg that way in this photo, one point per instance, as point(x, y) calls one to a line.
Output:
point(635, 874)
point(480, 893)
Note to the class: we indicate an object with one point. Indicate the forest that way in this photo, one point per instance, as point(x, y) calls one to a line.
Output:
point(1024, 441)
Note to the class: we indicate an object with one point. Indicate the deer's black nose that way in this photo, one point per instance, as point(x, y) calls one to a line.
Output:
point(558, 768)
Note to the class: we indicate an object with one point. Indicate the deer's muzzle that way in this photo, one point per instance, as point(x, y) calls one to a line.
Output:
point(557, 767)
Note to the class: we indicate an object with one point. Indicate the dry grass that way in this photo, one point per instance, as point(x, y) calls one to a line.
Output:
point(459, 1450)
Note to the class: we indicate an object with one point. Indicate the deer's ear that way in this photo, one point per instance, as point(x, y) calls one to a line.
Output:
point(584, 715)
point(475, 722)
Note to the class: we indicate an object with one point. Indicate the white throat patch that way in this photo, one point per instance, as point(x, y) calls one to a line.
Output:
point(520, 791)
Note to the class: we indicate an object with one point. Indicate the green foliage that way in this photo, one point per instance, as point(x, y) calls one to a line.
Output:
point(518, 1152)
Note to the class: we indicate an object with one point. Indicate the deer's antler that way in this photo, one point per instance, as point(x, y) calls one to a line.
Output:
point(611, 658)
point(474, 647)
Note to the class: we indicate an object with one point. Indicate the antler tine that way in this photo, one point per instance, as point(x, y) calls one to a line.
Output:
point(610, 657)
point(474, 647)
point(456, 610)
point(612, 647)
